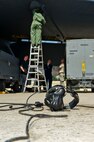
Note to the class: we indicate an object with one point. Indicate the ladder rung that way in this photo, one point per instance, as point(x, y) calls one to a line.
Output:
point(34, 79)
point(31, 72)
point(41, 80)
point(39, 69)
point(34, 48)
point(35, 53)
point(34, 59)
point(36, 73)
point(33, 66)
point(39, 86)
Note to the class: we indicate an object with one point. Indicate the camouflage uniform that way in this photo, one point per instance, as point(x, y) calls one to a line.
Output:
point(36, 28)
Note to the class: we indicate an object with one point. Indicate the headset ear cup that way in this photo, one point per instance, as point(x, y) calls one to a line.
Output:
point(46, 101)
point(75, 101)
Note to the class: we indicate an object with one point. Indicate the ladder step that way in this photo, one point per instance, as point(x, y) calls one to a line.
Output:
point(37, 86)
point(35, 53)
point(42, 80)
point(35, 79)
point(33, 66)
point(34, 48)
point(38, 72)
point(34, 59)
point(32, 79)
point(32, 72)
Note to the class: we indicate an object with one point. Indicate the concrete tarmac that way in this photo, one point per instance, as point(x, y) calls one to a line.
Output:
point(75, 125)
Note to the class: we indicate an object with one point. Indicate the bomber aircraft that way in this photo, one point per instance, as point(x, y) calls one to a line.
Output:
point(66, 19)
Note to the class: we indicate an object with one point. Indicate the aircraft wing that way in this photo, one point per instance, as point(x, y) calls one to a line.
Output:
point(65, 19)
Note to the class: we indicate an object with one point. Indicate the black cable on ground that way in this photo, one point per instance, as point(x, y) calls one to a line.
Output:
point(85, 106)
point(33, 116)
point(30, 97)
point(27, 125)
point(31, 107)
point(22, 137)
point(27, 107)
point(22, 112)
point(11, 105)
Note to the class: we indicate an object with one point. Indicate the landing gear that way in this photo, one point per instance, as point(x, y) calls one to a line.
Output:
point(2, 85)
point(92, 89)
point(16, 87)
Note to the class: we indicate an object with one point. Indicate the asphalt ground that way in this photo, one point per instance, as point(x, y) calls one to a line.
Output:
point(40, 124)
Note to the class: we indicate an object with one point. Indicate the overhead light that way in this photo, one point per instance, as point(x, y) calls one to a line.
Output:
point(51, 41)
